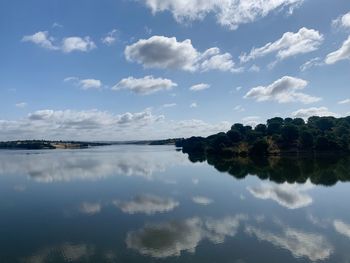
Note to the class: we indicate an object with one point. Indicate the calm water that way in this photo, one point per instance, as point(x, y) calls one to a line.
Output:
point(151, 204)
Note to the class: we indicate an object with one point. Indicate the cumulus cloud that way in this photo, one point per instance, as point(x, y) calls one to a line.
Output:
point(291, 196)
point(146, 85)
point(199, 87)
point(70, 124)
point(290, 44)
point(102, 125)
point(202, 200)
point(163, 52)
point(342, 228)
point(284, 90)
point(85, 84)
point(110, 38)
point(147, 204)
point(343, 53)
point(313, 111)
point(68, 45)
point(212, 59)
point(312, 246)
point(71, 44)
point(168, 53)
point(172, 238)
point(229, 13)
point(342, 21)
point(41, 39)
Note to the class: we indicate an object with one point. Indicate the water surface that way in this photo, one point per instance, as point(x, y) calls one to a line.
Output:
point(152, 204)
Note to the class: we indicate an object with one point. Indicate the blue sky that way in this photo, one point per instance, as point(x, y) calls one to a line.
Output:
point(115, 70)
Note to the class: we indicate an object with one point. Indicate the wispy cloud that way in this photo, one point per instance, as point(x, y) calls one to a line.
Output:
point(85, 84)
point(199, 87)
point(110, 38)
point(229, 13)
point(343, 53)
point(290, 44)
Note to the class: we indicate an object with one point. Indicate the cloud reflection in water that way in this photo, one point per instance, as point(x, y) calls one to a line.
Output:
point(171, 238)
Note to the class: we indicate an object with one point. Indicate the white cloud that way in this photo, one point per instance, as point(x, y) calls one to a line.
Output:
point(212, 59)
point(290, 44)
point(198, 127)
point(199, 87)
point(346, 101)
point(251, 120)
point(168, 53)
point(146, 85)
point(342, 228)
point(315, 62)
point(70, 124)
point(71, 44)
point(313, 111)
point(342, 21)
point(57, 25)
point(42, 39)
point(169, 105)
point(284, 90)
point(291, 196)
point(21, 105)
point(163, 52)
point(85, 84)
point(172, 238)
point(147, 204)
point(239, 108)
point(90, 84)
point(193, 105)
point(202, 200)
point(343, 53)
point(229, 13)
point(102, 125)
point(68, 44)
point(110, 38)
point(254, 68)
point(312, 246)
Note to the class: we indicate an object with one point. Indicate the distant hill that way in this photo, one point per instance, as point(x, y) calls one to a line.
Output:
point(42, 144)
point(277, 137)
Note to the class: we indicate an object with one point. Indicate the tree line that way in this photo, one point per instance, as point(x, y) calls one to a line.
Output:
point(277, 136)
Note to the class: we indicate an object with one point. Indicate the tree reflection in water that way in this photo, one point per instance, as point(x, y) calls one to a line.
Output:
point(324, 170)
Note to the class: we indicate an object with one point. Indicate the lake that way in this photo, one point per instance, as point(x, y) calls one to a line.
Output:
point(152, 204)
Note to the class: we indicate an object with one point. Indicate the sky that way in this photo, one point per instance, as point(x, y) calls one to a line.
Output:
point(156, 69)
